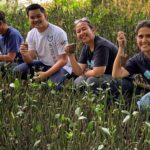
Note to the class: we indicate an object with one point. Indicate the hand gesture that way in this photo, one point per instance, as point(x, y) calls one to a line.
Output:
point(70, 48)
point(40, 76)
point(121, 39)
point(24, 48)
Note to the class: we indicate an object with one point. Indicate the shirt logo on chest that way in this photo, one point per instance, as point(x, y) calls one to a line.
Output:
point(90, 64)
point(50, 38)
point(147, 74)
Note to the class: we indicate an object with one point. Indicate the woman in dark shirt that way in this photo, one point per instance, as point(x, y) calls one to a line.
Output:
point(97, 56)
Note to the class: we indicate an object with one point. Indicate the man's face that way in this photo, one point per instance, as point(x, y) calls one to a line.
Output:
point(37, 19)
point(2, 30)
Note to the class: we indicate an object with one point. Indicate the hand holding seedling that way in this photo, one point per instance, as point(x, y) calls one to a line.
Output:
point(40, 76)
point(121, 39)
point(70, 48)
point(24, 48)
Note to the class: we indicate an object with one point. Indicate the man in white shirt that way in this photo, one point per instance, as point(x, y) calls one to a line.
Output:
point(44, 48)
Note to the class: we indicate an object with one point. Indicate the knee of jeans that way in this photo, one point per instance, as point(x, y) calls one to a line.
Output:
point(79, 81)
point(127, 86)
point(91, 80)
point(144, 103)
point(15, 70)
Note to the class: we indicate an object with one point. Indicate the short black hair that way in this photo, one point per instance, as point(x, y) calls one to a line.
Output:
point(33, 7)
point(141, 24)
point(2, 16)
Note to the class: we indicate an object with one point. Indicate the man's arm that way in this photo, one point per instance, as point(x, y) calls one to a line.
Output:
point(119, 71)
point(8, 57)
point(62, 60)
point(27, 55)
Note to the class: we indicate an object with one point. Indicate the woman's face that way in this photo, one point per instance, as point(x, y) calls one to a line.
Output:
point(84, 32)
point(143, 39)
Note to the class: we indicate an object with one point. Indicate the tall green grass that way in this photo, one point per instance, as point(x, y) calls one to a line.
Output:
point(35, 116)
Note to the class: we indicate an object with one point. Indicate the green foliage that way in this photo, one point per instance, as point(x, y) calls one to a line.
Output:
point(38, 118)
point(108, 17)
point(35, 116)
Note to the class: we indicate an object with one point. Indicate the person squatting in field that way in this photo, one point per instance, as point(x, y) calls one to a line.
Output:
point(96, 59)
point(44, 49)
point(139, 63)
point(10, 40)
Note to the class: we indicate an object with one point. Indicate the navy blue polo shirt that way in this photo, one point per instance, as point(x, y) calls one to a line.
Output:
point(10, 42)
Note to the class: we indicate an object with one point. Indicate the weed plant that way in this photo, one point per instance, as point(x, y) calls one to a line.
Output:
point(35, 116)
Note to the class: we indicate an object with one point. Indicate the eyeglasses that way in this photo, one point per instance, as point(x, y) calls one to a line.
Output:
point(84, 19)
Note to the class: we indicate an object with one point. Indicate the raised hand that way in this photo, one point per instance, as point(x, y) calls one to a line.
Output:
point(70, 48)
point(121, 39)
point(24, 48)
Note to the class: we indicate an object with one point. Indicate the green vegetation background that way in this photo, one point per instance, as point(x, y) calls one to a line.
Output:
point(35, 116)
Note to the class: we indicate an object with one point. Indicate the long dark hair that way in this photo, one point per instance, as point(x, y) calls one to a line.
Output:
point(141, 24)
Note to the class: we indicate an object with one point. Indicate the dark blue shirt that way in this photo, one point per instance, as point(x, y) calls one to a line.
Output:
point(139, 64)
point(103, 55)
point(10, 42)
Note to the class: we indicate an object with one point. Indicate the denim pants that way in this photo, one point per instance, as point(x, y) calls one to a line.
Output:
point(93, 82)
point(24, 69)
point(144, 103)
point(125, 86)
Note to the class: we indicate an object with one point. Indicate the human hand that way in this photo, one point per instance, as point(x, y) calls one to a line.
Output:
point(40, 76)
point(70, 48)
point(24, 48)
point(121, 39)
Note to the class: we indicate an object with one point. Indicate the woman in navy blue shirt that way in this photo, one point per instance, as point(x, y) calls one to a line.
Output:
point(97, 55)
point(140, 62)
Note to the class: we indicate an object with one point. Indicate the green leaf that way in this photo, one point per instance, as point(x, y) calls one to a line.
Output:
point(90, 126)
point(125, 112)
point(78, 111)
point(17, 83)
point(50, 84)
point(57, 116)
point(12, 114)
point(135, 113)
point(100, 147)
point(126, 119)
point(69, 135)
point(105, 130)
point(147, 124)
point(39, 128)
point(37, 143)
point(82, 118)
point(20, 113)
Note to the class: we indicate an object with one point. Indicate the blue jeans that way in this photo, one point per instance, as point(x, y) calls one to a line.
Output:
point(24, 69)
point(124, 84)
point(93, 82)
point(144, 103)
